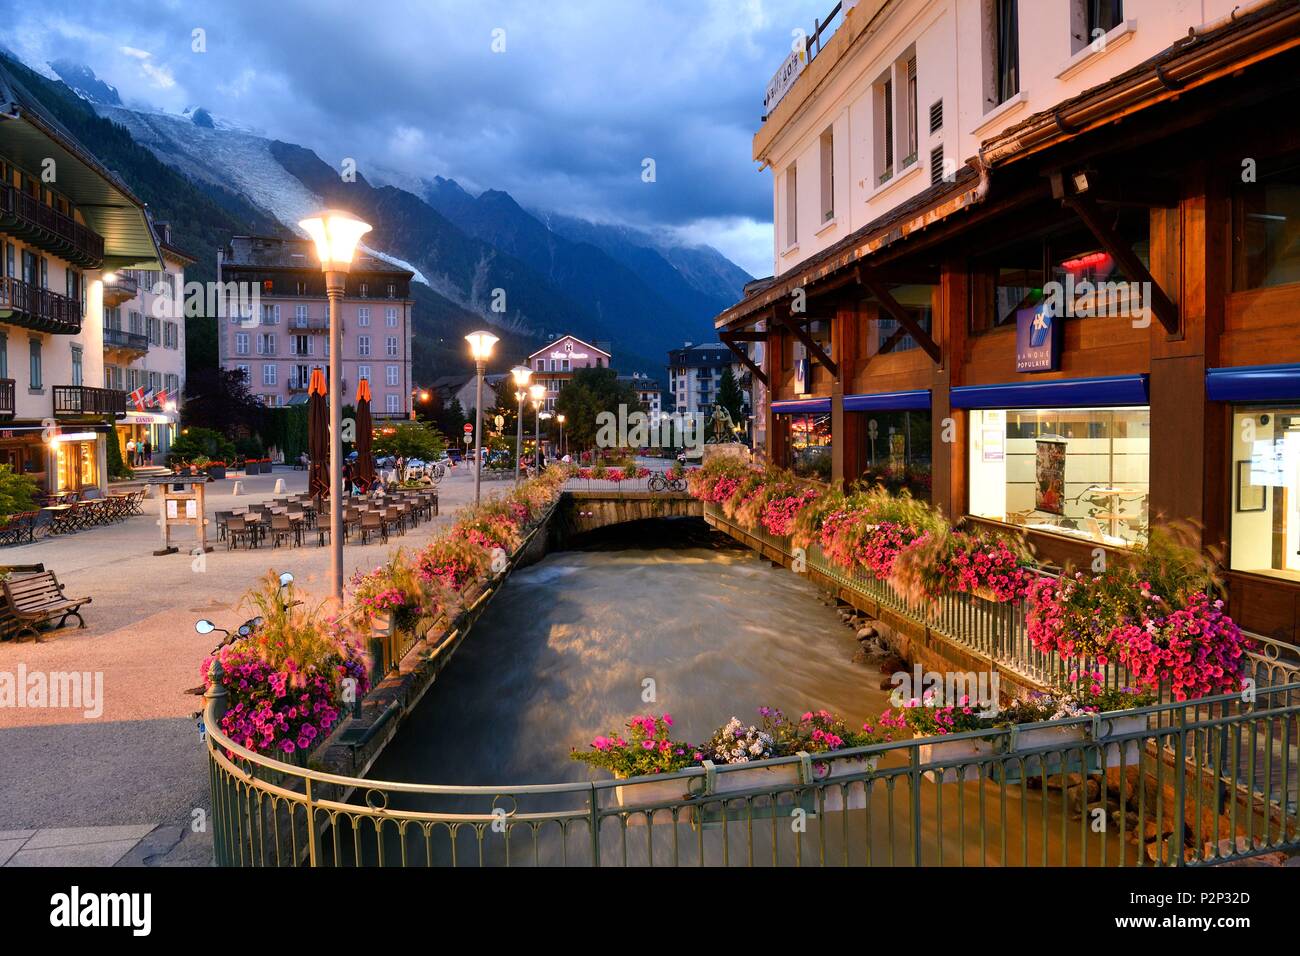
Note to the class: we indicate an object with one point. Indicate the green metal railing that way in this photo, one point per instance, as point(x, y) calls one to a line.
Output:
point(1176, 784)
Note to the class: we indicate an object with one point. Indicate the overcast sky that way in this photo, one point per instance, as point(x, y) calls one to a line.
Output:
point(584, 91)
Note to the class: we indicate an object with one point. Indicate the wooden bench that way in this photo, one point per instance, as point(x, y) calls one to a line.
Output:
point(37, 598)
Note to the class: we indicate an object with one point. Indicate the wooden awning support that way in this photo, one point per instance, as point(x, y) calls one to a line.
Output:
point(894, 338)
point(1161, 305)
point(729, 339)
point(784, 318)
point(903, 318)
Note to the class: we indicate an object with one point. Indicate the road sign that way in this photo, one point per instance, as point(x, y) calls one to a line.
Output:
point(469, 439)
point(469, 429)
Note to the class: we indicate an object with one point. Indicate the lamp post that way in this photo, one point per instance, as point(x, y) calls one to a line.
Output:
point(538, 393)
point(521, 375)
point(480, 346)
point(422, 394)
point(560, 419)
point(336, 235)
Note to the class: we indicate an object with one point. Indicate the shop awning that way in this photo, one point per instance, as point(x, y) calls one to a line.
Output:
point(1112, 391)
point(802, 406)
point(914, 400)
point(1253, 383)
point(147, 418)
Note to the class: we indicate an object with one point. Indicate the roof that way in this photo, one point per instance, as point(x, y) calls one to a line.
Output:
point(704, 353)
point(560, 338)
point(278, 252)
point(30, 135)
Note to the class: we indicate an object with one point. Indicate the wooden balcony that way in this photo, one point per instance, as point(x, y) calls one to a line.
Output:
point(6, 398)
point(119, 288)
point(73, 401)
point(119, 340)
point(28, 305)
point(27, 218)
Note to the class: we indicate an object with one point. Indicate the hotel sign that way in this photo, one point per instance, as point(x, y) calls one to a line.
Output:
point(784, 77)
point(1038, 339)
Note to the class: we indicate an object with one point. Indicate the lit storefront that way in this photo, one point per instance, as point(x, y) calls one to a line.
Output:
point(807, 426)
point(1080, 469)
point(893, 438)
point(158, 428)
point(76, 459)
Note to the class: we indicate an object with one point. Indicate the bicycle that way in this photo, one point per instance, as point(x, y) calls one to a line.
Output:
point(661, 481)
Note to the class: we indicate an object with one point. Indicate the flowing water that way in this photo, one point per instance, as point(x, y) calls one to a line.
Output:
point(670, 617)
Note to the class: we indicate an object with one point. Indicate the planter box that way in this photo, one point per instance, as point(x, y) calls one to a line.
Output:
point(647, 792)
point(214, 472)
point(955, 752)
point(1130, 750)
point(849, 796)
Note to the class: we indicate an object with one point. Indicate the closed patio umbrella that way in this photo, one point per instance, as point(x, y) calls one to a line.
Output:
point(365, 467)
point(318, 440)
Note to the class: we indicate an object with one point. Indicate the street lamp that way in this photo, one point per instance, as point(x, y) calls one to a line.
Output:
point(521, 375)
point(336, 235)
point(423, 396)
point(538, 393)
point(480, 346)
point(560, 419)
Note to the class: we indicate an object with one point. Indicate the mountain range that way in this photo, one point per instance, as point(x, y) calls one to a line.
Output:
point(643, 293)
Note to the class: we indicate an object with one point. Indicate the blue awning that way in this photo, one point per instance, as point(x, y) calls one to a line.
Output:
point(1056, 393)
point(1253, 383)
point(915, 400)
point(802, 406)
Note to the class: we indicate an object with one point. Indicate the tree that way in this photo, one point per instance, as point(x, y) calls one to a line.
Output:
point(409, 440)
point(452, 417)
point(18, 492)
point(730, 396)
point(590, 392)
point(195, 442)
point(219, 399)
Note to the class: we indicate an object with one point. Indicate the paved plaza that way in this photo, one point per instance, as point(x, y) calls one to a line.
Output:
point(124, 787)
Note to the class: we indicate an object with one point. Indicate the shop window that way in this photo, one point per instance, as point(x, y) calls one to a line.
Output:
point(1266, 227)
point(918, 301)
point(1265, 532)
point(810, 446)
point(896, 451)
point(1083, 472)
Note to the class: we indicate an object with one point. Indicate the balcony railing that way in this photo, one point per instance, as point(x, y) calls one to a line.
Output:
point(26, 217)
point(121, 288)
point(28, 305)
point(122, 339)
point(6, 398)
point(309, 325)
point(73, 400)
point(297, 386)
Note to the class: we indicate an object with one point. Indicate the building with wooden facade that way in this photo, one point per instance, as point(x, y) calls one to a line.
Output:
point(1040, 263)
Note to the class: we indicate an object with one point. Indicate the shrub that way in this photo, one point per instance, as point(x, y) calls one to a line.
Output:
point(17, 492)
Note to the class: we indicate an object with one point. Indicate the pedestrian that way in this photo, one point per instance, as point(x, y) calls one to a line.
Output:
point(130, 452)
point(148, 452)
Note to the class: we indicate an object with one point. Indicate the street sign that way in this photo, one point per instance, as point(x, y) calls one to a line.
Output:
point(469, 429)
point(469, 439)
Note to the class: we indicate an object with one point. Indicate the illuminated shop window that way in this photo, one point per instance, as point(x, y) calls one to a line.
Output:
point(1082, 472)
point(1265, 506)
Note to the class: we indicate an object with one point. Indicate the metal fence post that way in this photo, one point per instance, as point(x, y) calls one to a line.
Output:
point(594, 824)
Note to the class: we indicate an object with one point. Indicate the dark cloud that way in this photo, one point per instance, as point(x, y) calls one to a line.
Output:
point(584, 92)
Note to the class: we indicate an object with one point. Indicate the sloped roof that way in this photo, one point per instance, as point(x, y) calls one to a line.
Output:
point(30, 136)
point(278, 252)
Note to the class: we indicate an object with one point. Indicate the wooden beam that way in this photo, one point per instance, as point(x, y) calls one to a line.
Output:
point(806, 340)
point(894, 338)
point(904, 319)
point(743, 335)
point(729, 340)
point(1088, 213)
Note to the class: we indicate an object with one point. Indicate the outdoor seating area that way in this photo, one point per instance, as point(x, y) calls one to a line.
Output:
point(292, 520)
point(33, 597)
point(68, 513)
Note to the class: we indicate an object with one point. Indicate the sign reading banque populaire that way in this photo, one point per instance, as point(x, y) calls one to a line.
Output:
point(1038, 339)
point(784, 78)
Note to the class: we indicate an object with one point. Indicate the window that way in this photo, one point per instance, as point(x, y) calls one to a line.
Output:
point(392, 375)
point(299, 377)
point(1002, 79)
point(363, 290)
point(4, 355)
point(77, 370)
point(541, 365)
point(270, 315)
point(155, 332)
point(809, 446)
point(363, 371)
point(363, 345)
point(300, 345)
point(300, 314)
point(895, 450)
point(890, 336)
point(244, 370)
point(390, 346)
point(392, 403)
point(138, 324)
point(1265, 505)
point(908, 117)
point(392, 290)
point(266, 343)
point(363, 316)
point(883, 97)
point(1076, 471)
point(390, 318)
point(269, 373)
point(1090, 20)
point(34, 380)
point(173, 384)
point(791, 206)
point(828, 175)
point(241, 343)
point(1266, 227)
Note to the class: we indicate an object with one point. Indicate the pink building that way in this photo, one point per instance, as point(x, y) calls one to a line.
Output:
point(554, 363)
point(280, 339)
